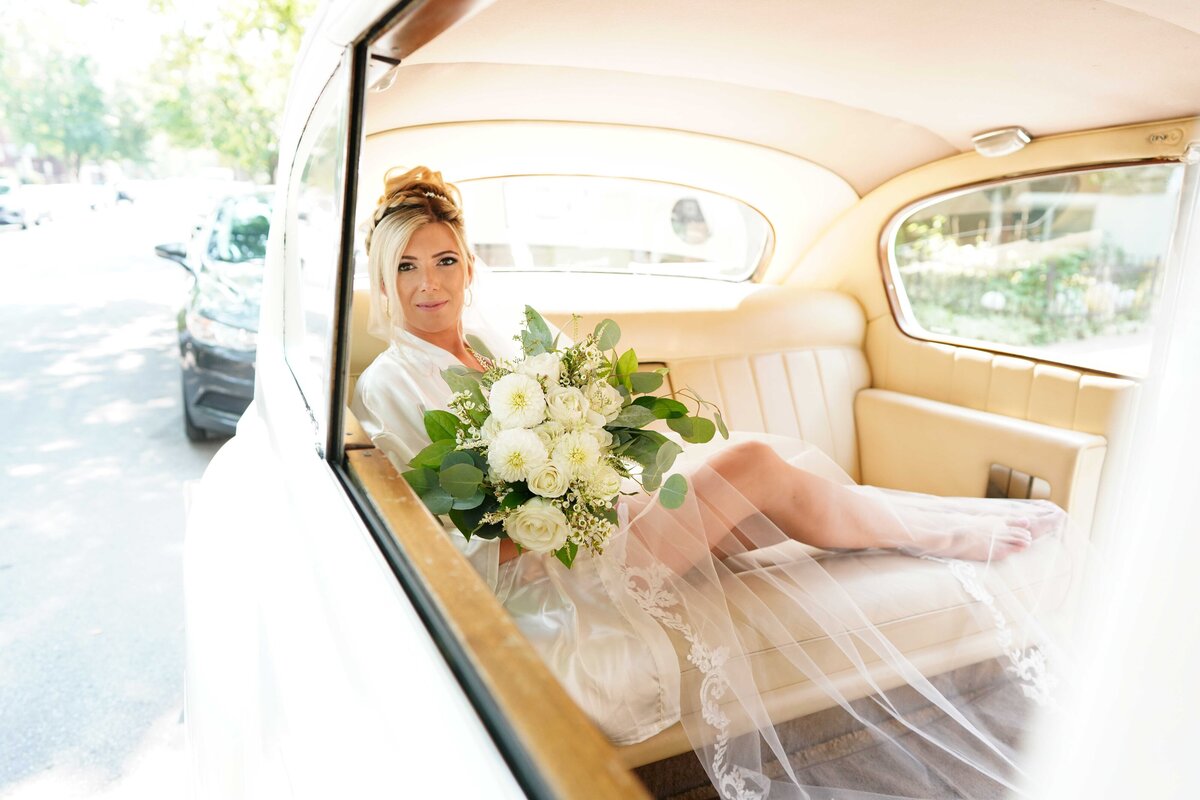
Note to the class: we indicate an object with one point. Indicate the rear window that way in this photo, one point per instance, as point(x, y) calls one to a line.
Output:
point(590, 224)
point(1063, 267)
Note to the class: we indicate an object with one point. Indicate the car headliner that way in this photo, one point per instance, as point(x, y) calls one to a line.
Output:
point(866, 89)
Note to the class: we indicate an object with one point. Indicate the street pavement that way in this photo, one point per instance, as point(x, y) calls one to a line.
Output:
point(93, 468)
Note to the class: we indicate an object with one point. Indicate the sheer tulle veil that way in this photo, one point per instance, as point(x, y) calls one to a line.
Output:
point(797, 672)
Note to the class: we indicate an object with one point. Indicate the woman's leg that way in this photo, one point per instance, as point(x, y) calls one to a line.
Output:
point(824, 514)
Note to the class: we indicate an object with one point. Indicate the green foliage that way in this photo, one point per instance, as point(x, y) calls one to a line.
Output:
point(223, 78)
point(607, 334)
point(536, 337)
point(673, 492)
point(441, 425)
point(50, 99)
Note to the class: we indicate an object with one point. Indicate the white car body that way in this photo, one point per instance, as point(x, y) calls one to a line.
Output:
point(312, 671)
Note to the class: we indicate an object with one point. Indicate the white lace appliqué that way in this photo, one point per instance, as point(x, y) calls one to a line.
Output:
point(1028, 664)
point(649, 590)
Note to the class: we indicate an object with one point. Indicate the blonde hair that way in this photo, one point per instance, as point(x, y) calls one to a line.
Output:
point(410, 201)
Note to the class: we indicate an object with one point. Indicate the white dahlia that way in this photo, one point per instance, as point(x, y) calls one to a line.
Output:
point(514, 453)
point(518, 401)
point(604, 483)
point(577, 454)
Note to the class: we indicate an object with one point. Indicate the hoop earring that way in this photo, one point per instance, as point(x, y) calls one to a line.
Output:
point(470, 296)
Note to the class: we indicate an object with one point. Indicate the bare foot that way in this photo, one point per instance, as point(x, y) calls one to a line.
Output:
point(983, 537)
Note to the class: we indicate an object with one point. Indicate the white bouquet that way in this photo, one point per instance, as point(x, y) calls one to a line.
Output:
point(536, 449)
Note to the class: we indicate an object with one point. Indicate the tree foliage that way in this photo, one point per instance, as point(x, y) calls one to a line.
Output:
point(50, 99)
point(223, 77)
point(53, 102)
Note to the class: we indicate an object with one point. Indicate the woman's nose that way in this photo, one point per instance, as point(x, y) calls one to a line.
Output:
point(429, 281)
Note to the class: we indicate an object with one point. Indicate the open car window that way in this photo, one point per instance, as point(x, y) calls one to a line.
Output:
point(1066, 268)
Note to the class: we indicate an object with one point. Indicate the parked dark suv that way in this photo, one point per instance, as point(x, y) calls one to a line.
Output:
point(218, 326)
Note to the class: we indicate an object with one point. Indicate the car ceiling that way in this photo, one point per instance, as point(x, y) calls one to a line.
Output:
point(865, 89)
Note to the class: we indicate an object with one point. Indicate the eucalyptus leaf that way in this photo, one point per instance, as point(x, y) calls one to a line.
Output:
point(651, 480)
point(438, 501)
point(721, 424)
point(461, 480)
point(665, 458)
point(696, 430)
point(432, 455)
point(607, 333)
point(474, 501)
point(461, 379)
point(468, 521)
point(664, 407)
point(682, 425)
point(645, 382)
point(455, 457)
point(644, 447)
point(673, 491)
point(633, 416)
point(421, 480)
point(537, 329)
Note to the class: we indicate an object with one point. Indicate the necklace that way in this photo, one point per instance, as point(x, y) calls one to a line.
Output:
point(483, 360)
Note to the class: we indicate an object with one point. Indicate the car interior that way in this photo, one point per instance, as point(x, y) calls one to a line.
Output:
point(835, 135)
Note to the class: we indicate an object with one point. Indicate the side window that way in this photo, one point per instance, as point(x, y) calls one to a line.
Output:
point(1063, 267)
point(312, 243)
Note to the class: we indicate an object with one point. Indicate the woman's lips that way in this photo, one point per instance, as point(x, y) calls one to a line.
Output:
point(432, 306)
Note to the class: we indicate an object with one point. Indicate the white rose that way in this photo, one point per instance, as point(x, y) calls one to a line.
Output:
point(538, 526)
point(566, 405)
point(548, 480)
point(577, 454)
point(518, 401)
point(604, 399)
point(489, 429)
point(602, 437)
point(514, 453)
point(546, 365)
point(549, 432)
point(604, 482)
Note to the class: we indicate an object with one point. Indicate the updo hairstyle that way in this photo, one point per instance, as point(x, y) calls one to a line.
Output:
point(410, 200)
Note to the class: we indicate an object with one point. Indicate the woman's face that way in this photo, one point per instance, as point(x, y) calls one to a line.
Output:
point(432, 277)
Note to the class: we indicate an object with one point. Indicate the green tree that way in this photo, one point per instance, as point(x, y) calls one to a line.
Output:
point(224, 79)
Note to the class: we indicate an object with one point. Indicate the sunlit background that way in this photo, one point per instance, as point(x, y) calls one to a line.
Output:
point(123, 123)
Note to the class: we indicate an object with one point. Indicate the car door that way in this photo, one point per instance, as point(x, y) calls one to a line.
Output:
point(310, 673)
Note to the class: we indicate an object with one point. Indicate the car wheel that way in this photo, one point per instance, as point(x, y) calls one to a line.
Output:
point(194, 432)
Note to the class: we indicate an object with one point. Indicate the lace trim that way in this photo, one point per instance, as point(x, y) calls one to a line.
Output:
point(1029, 664)
point(646, 584)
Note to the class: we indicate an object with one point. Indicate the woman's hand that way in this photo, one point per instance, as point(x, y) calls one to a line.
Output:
point(508, 550)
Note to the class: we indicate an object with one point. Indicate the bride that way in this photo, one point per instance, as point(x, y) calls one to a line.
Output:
point(666, 625)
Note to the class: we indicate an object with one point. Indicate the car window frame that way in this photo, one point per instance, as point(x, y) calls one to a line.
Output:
point(327, 445)
point(889, 271)
point(560, 753)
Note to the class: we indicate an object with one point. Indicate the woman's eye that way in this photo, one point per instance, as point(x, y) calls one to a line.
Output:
point(405, 266)
point(448, 261)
